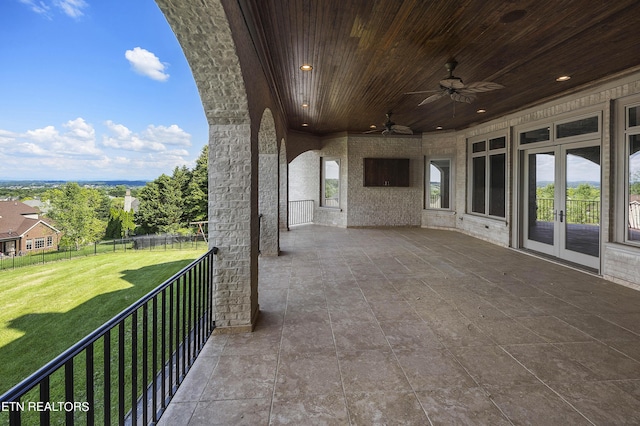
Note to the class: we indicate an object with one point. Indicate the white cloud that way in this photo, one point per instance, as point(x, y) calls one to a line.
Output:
point(38, 7)
point(72, 8)
point(147, 64)
point(78, 141)
point(70, 151)
point(152, 139)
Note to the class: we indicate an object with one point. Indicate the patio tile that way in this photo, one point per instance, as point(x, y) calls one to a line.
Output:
point(460, 405)
point(490, 365)
point(308, 373)
point(410, 335)
point(553, 329)
point(371, 371)
point(242, 377)
point(550, 363)
point(605, 362)
point(241, 412)
point(415, 326)
point(385, 408)
point(311, 409)
point(601, 402)
point(430, 368)
point(535, 404)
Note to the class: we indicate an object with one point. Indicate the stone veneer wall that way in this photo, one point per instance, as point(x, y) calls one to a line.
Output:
point(384, 206)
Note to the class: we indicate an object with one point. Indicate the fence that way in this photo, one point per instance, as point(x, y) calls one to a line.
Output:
point(127, 370)
point(300, 212)
point(578, 211)
point(144, 242)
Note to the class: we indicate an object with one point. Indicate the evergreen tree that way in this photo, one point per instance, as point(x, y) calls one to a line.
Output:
point(196, 195)
point(160, 206)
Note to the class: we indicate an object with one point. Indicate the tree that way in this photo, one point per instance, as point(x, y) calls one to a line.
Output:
point(160, 207)
point(196, 195)
point(120, 221)
point(75, 212)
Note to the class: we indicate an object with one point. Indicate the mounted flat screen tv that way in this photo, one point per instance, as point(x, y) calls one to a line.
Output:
point(386, 172)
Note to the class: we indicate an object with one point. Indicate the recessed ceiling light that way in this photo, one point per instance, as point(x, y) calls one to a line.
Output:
point(373, 126)
point(305, 105)
point(481, 111)
point(439, 128)
point(305, 124)
point(306, 67)
point(563, 78)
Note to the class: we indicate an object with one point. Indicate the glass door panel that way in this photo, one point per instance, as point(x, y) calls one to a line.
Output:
point(580, 213)
point(540, 206)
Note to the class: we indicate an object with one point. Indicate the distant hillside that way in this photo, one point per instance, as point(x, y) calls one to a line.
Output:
point(574, 184)
point(49, 183)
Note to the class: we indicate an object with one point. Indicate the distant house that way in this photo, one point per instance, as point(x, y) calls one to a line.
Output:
point(23, 231)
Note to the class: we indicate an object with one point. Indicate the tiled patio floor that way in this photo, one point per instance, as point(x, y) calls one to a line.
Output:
point(415, 327)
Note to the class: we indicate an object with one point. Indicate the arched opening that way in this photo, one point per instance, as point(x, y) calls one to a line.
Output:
point(268, 188)
point(233, 158)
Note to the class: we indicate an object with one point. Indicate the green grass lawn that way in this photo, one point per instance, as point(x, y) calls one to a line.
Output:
point(47, 308)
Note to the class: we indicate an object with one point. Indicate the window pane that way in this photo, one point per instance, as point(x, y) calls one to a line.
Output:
point(479, 185)
point(479, 146)
point(634, 188)
point(439, 185)
point(634, 117)
point(497, 173)
point(498, 143)
point(578, 127)
point(538, 135)
point(331, 184)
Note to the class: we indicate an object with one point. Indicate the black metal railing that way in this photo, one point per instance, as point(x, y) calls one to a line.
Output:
point(300, 212)
point(126, 371)
point(577, 211)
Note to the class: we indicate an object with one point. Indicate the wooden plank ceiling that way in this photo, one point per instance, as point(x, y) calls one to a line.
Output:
point(366, 54)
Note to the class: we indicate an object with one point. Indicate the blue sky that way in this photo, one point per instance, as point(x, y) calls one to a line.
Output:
point(94, 89)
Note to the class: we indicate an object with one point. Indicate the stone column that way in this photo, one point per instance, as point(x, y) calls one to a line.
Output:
point(233, 226)
point(283, 219)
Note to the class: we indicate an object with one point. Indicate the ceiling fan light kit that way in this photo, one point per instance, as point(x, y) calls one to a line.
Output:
point(455, 88)
point(392, 128)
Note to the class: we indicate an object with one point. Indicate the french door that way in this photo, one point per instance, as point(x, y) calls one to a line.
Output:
point(561, 215)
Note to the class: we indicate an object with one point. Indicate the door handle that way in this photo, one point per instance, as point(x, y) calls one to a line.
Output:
point(561, 215)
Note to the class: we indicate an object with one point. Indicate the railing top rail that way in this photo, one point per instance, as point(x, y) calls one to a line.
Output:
point(53, 365)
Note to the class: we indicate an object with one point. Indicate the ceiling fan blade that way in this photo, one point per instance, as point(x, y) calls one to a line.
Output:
point(371, 131)
point(433, 98)
point(463, 97)
point(401, 130)
point(420, 92)
point(452, 83)
point(481, 86)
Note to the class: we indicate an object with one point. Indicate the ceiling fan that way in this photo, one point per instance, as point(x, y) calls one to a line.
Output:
point(392, 128)
point(456, 89)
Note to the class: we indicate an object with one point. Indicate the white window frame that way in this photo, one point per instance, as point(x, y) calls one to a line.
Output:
point(38, 243)
point(427, 183)
point(323, 199)
point(28, 245)
point(487, 153)
point(49, 241)
point(622, 176)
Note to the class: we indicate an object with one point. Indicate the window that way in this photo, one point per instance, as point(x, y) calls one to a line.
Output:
point(488, 169)
point(438, 184)
point(29, 245)
point(632, 179)
point(330, 181)
point(39, 243)
point(49, 241)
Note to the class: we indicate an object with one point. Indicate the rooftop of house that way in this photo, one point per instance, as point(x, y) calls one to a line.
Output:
point(16, 218)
